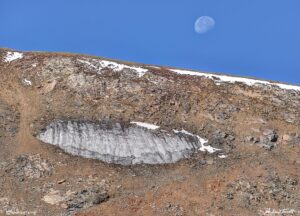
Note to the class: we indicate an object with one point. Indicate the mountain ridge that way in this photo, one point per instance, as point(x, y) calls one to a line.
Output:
point(70, 54)
point(91, 136)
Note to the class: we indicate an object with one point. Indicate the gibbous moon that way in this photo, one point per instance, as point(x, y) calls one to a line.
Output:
point(204, 24)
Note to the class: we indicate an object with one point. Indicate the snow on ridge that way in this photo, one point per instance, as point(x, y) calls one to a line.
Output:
point(203, 147)
point(101, 64)
point(11, 56)
point(145, 125)
point(232, 79)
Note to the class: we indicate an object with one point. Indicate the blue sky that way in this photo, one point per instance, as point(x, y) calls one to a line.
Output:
point(259, 38)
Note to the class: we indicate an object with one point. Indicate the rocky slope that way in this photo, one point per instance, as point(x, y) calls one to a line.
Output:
point(166, 141)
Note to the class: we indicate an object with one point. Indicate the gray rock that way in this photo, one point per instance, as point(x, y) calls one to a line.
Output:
point(249, 139)
point(267, 145)
point(268, 140)
point(230, 195)
point(174, 209)
point(29, 166)
point(222, 140)
point(252, 139)
point(249, 193)
point(199, 164)
point(86, 198)
point(271, 135)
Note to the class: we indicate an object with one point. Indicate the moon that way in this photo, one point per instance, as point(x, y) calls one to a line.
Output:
point(204, 24)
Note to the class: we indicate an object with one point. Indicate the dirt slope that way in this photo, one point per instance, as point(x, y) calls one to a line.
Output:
point(257, 127)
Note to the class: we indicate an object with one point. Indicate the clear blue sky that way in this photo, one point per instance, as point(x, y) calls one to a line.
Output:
point(258, 38)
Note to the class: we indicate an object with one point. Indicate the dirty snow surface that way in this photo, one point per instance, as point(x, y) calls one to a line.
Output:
point(100, 65)
point(11, 56)
point(123, 144)
point(231, 79)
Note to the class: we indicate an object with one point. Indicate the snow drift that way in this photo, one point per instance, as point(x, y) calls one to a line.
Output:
point(122, 143)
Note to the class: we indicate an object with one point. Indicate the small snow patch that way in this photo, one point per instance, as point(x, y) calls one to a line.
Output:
point(11, 56)
point(203, 147)
point(101, 64)
point(27, 82)
point(146, 125)
point(222, 156)
point(230, 79)
point(208, 148)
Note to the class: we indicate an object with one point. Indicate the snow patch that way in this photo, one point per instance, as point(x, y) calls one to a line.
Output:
point(230, 79)
point(101, 64)
point(113, 143)
point(145, 125)
point(27, 82)
point(222, 156)
point(124, 144)
point(203, 147)
point(11, 56)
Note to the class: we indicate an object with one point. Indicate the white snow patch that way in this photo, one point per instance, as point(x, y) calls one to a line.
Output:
point(230, 79)
point(101, 64)
point(203, 147)
point(117, 144)
point(11, 56)
point(34, 65)
point(208, 148)
point(145, 125)
point(27, 82)
point(222, 156)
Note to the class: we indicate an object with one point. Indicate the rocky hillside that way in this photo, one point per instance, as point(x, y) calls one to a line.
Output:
point(82, 135)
